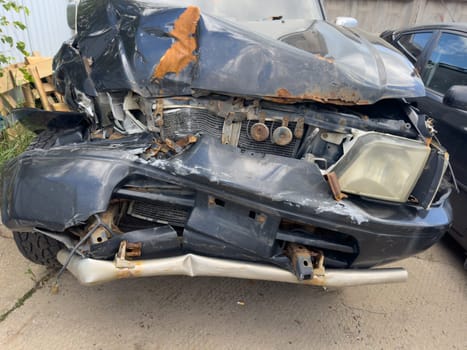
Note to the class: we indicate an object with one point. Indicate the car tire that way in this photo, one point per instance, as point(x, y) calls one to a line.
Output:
point(44, 140)
point(38, 248)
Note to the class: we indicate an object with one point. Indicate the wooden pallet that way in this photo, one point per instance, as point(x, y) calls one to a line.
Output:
point(16, 91)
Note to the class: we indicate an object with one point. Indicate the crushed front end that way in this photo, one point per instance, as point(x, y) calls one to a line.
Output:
point(186, 160)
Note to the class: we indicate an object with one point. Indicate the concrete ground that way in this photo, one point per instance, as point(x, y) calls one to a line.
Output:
point(428, 312)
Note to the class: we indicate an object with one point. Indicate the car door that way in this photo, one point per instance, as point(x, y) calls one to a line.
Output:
point(446, 65)
point(442, 66)
point(414, 44)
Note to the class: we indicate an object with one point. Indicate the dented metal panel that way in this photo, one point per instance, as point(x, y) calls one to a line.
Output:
point(80, 182)
point(90, 271)
point(181, 53)
point(156, 52)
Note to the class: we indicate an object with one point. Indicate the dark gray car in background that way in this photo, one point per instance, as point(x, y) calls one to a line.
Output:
point(439, 52)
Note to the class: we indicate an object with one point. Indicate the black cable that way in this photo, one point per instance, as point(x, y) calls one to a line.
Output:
point(80, 243)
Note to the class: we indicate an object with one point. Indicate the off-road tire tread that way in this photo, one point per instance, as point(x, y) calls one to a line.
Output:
point(38, 248)
point(44, 140)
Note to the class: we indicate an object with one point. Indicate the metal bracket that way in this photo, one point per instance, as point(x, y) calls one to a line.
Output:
point(156, 120)
point(299, 128)
point(232, 127)
point(301, 261)
point(335, 186)
point(125, 250)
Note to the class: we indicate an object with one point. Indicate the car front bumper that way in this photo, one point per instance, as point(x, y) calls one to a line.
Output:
point(63, 187)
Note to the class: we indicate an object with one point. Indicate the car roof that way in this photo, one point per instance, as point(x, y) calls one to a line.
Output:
point(462, 26)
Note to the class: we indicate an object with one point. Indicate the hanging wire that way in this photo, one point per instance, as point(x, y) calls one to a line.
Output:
point(80, 243)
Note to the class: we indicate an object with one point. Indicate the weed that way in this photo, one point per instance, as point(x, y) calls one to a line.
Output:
point(31, 274)
point(14, 141)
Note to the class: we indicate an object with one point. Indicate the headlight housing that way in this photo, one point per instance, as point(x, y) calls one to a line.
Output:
point(381, 166)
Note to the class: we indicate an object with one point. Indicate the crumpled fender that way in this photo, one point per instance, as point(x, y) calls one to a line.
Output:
point(64, 186)
point(158, 51)
point(57, 191)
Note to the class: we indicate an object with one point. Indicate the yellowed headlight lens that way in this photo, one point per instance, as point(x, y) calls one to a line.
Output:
point(381, 166)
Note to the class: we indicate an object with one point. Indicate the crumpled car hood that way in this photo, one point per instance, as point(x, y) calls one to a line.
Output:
point(155, 52)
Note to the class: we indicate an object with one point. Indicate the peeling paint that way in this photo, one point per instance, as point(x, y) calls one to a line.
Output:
point(326, 59)
point(344, 97)
point(341, 208)
point(181, 53)
point(182, 58)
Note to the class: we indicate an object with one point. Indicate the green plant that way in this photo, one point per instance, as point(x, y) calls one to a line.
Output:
point(14, 141)
point(31, 274)
point(12, 6)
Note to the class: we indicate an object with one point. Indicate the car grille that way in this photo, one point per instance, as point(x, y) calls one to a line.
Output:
point(161, 213)
point(184, 121)
point(247, 143)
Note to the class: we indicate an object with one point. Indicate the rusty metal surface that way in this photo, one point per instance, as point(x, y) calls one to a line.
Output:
point(307, 264)
point(335, 186)
point(259, 132)
point(276, 186)
point(90, 271)
point(102, 233)
point(301, 261)
point(166, 148)
point(282, 136)
point(181, 51)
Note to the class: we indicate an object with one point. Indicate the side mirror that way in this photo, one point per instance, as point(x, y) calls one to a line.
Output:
point(456, 97)
point(346, 22)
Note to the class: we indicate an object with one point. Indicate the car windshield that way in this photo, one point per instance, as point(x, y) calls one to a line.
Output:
point(248, 10)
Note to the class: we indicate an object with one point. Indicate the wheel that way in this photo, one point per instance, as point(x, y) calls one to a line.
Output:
point(44, 140)
point(38, 248)
point(35, 246)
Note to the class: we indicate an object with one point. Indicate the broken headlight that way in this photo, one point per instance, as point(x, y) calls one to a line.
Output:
point(381, 166)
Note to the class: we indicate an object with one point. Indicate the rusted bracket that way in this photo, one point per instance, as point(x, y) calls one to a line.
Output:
point(232, 127)
point(173, 146)
point(188, 140)
point(157, 119)
point(299, 128)
point(127, 249)
point(307, 264)
point(301, 261)
point(335, 186)
point(168, 147)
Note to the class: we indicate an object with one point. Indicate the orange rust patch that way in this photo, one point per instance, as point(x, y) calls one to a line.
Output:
point(124, 273)
point(180, 54)
point(130, 272)
point(335, 186)
point(326, 59)
point(283, 93)
point(344, 97)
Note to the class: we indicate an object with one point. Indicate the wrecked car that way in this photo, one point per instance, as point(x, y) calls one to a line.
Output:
point(206, 144)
